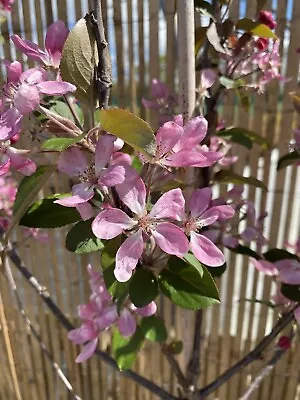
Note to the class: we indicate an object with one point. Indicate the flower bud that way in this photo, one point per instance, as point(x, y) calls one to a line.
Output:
point(261, 43)
point(284, 342)
point(266, 17)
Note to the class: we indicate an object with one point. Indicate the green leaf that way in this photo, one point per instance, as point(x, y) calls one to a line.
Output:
point(192, 260)
point(80, 239)
point(216, 272)
point(274, 255)
point(183, 285)
point(133, 130)
point(288, 159)
point(205, 8)
point(215, 40)
point(256, 28)
point(116, 289)
point(108, 255)
point(231, 83)
point(244, 137)
point(61, 108)
point(227, 176)
point(143, 287)
point(47, 214)
point(79, 58)
point(154, 329)
point(245, 251)
point(27, 191)
point(125, 350)
point(292, 292)
point(61, 144)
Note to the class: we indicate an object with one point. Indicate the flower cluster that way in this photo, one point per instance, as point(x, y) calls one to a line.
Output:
point(101, 313)
point(5, 5)
point(165, 224)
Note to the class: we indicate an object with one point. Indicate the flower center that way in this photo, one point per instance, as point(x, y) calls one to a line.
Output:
point(192, 224)
point(88, 175)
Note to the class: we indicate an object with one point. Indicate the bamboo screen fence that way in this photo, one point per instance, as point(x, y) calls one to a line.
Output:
point(142, 38)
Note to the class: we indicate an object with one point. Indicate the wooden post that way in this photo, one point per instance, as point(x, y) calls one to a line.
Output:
point(186, 51)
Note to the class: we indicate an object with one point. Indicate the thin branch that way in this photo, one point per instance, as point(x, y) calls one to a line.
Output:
point(193, 369)
point(279, 352)
point(42, 291)
point(72, 110)
point(103, 70)
point(35, 334)
point(255, 354)
point(175, 367)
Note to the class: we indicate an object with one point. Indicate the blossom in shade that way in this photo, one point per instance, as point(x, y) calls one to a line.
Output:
point(11, 157)
point(74, 163)
point(22, 94)
point(201, 215)
point(207, 78)
point(100, 313)
point(142, 226)
point(55, 38)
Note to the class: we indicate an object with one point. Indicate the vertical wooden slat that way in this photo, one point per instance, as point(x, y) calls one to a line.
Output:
point(120, 86)
point(132, 80)
point(141, 67)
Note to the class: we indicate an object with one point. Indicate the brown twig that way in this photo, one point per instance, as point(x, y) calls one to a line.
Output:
point(175, 368)
point(35, 334)
point(63, 320)
point(193, 369)
point(279, 352)
point(103, 69)
point(255, 354)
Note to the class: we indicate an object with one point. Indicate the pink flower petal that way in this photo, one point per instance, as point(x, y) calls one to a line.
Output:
point(88, 350)
point(194, 132)
point(29, 48)
point(230, 241)
point(148, 310)
point(128, 255)
point(289, 271)
point(107, 317)
point(151, 104)
point(169, 205)
point(209, 217)
point(208, 78)
point(171, 239)
point(86, 332)
point(264, 266)
point(113, 175)
point(85, 210)
point(72, 162)
point(111, 223)
point(133, 191)
point(104, 150)
point(55, 38)
point(86, 311)
point(4, 166)
point(184, 158)
point(10, 123)
point(54, 88)
point(249, 234)
point(225, 212)
point(14, 71)
point(126, 323)
point(159, 89)
point(199, 201)
point(167, 136)
point(206, 251)
point(22, 164)
point(27, 98)
point(297, 315)
point(34, 76)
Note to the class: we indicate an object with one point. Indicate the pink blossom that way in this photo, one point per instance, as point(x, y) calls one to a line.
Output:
point(289, 271)
point(11, 157)
point(207, 78)
point(142, 226)
point(266, 17)
point(200, 216)
point(74, 163)
point(178, 146)
point(6, 4)
point(22, 95)
point(100, 313)
point(265, 266)
point(55, 38)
